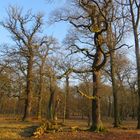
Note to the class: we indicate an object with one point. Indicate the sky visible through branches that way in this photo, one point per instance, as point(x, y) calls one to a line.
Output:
point(56, 30)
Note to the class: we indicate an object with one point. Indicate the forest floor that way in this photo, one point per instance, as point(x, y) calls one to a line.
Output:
point(18, 130)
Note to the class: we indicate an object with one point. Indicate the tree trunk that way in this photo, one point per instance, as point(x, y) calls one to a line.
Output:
point(109, 106)
point(111, 39)
point(137, 52)
point(66, 100)
point(41, 89)
point(51, 101)
point(50, 106)
point(135, 24)
point(133, 105)
point(56, 108)
point(114, 89)
point(28, 100)
point(67, 97)
point(96, 115)
point(138, 125)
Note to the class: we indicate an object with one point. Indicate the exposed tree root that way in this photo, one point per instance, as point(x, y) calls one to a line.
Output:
point(52, 127)
point(99, 128)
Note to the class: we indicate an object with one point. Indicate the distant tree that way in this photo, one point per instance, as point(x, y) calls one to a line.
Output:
point(133, 8)
point(122, 69)
point(86, 87)
point(64, 65)
point(46, 46)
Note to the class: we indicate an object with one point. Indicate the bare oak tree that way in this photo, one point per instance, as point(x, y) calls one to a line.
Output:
point(91, 20)
point(24, 28)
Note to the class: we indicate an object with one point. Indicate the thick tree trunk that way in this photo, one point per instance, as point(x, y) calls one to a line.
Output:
point(137, 52)
point(98, 62)
point(96, 115)
point(51, 106)
point(28, 100)
point(41, 89)
point(66, 100)
point(111, 45)
point(114, 89)
point(135, 25)
point(51, 101)
point(67, 97)
point(138, 125)
point(56, 108)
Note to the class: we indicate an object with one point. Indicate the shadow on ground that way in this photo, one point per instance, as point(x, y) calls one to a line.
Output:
point(28, 131)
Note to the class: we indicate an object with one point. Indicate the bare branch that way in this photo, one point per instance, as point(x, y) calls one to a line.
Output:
point(85, 95)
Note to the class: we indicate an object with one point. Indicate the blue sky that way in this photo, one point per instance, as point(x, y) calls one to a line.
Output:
point(57, 30)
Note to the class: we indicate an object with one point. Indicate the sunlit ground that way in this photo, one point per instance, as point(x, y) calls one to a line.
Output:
point(11, 128)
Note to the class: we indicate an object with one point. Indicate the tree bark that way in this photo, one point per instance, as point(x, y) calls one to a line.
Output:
point(96, 114)
point(98, 62)
point(28, 100)
point(114, 89)
point(51, 101)
point(109, 106)
point(41, 89)
point(66, 100)
point(67, 97)
point(135, 23)
point(137, 52)
point(56, 108)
